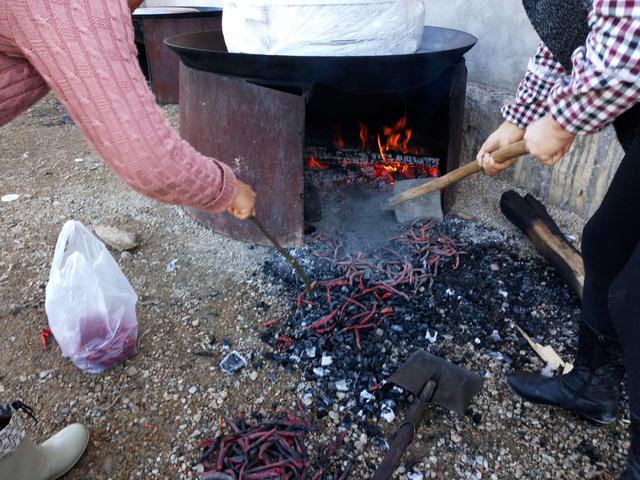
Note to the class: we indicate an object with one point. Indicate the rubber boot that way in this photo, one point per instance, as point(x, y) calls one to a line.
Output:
point(633, 467)
point(21, 459)
point(591, 390)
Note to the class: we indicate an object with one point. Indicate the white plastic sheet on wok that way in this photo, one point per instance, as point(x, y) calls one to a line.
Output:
point(323, 27)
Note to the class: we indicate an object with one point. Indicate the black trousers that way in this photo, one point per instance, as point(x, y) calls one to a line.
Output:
point(611, 251)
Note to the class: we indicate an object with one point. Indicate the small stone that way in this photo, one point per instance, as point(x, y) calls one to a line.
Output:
point(172, 266)
point(310, 352)
point(319, 372)
point(366, 396)
point(387, 411)
point(495, 335)
point(415, 476)
point(195, 323)
point(11, 197)
point(342, 386)
point(326, 360)
point(132, 371)
point(253, 376)
point(455, 438)
point(120, 240)
point(334, 416)
point(494, 267)
point(233, 362)
point(193, 390)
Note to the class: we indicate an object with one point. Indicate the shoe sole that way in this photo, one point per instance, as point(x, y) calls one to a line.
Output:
point(595, 421)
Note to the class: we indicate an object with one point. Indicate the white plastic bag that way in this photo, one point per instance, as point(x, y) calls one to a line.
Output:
point(323, 27)
point(90, 304)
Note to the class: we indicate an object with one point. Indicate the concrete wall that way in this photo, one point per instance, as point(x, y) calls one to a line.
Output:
point(506, 39)
point(576, 184)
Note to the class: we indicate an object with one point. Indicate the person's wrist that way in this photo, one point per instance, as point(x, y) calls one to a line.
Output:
point(559, 131)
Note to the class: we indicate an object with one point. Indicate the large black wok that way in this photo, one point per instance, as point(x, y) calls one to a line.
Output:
point(440, 48)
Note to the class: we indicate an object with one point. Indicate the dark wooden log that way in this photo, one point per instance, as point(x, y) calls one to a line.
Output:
point(357, 157)
point(531, 217)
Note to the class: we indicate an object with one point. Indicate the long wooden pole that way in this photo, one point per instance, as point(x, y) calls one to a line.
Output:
point(502, 155)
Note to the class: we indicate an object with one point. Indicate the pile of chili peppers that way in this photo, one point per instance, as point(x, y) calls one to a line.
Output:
point(266, 450)
point(361, 298)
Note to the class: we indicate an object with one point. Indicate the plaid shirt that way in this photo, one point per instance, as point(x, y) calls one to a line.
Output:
point(604, 82)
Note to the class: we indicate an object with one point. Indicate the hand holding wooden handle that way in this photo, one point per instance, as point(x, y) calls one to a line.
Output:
point(502, 155)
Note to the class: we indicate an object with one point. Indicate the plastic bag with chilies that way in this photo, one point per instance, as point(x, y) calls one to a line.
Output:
point(89, 302)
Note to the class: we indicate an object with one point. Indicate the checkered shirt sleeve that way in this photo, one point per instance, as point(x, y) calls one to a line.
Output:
point(530, 103)
point(605, 81)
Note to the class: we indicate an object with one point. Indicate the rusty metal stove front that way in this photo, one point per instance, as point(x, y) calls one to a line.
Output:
point(260, 132)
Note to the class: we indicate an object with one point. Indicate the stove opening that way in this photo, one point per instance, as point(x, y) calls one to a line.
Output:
point(375, 138)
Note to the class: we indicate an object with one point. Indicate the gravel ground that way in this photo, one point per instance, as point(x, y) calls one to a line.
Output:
point(148, 415)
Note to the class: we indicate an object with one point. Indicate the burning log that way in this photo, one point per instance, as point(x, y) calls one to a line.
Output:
point(356, 156)
point(385, 163)
point(532, 218)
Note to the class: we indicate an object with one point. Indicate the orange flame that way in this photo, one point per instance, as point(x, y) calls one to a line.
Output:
point(313, 162)
point(394, 139)
point(364, 137)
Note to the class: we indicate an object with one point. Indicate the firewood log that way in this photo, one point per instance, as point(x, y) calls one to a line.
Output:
point(531, 217)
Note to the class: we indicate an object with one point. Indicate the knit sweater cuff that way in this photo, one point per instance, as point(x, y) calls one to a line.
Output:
point(222, 201)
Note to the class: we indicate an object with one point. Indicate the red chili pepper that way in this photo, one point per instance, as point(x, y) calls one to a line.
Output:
point(283, 341)
point(44, 334)
point(272, 322)
point(323, 320)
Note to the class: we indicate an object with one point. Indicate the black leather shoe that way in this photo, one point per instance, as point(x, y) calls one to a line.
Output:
point(591, 390)
point(633, 467)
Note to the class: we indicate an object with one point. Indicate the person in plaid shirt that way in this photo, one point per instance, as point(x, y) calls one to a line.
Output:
point(584, 76)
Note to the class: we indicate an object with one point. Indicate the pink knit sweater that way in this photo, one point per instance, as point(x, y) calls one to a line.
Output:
point(84, 51)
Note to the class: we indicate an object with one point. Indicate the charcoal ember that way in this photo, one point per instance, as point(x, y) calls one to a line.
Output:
point(233, 362)
point(462, 301)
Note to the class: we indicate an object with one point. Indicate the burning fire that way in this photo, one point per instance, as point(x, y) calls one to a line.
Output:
point(364, 136)
point(390, 142)
point(397, 138)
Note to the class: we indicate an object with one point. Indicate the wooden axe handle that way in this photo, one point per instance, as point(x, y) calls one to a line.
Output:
point(502, 155)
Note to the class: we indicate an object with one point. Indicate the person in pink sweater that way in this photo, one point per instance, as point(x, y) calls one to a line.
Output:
point(84, 52)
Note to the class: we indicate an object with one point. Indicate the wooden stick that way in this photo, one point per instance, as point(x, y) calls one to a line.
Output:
point(502, 155)
point(532, 218)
